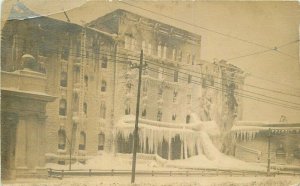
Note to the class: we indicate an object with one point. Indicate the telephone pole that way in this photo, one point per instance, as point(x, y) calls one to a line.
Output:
point(269, 152)
point(136, 127)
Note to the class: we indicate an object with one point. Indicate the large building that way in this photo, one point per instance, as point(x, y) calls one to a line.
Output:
point(89, 71)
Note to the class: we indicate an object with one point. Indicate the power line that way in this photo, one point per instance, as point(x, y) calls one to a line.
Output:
point(210, 30)
point(242, 95)
point(126, 57)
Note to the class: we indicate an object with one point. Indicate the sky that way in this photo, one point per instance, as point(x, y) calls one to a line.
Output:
point(268, 24)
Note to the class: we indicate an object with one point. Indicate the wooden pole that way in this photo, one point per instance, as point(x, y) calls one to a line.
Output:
point(135, 134)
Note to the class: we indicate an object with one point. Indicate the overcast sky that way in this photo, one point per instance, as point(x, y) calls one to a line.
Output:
point(270, 24)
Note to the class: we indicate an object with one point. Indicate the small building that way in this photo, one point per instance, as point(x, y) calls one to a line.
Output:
point(250, 141)
point(23, 120)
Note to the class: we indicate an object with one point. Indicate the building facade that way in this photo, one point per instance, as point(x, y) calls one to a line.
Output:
point(251, 140)
point(89, 70)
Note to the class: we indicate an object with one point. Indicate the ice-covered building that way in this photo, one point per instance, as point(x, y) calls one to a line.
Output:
point(250, 142)
point(88, 70)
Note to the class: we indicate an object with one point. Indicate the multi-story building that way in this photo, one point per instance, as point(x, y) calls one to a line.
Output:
point(88, 69)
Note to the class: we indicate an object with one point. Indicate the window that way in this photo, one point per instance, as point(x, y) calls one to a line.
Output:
point(165, 52)
point(280, 151)
point(193, 60)
point(149, 48)
point(78, 49)
point(189, 98)
point(180, 56)
point(160, 90)
point(174, 54)
point(188, 58)
point(173, 117)
point(176, 76)
point(82, 141)
point(75, 102)
point(104, 62)
point(86, 81)
point(127, 109)
point(63, 79)
point(62, 107)
point(144, 113)
point(175, 93)
point(297, 152)
point(61, 139)
point(102, 110)
point(159, 50)
point(103, 86)
point(76, 76)
point(160, 73)
point(127, 42)
point(188, 118)
point(133, 44)
point(85, 108)
point(65, 53)
point(101, 140)
point(189, 78)
point(159, 115)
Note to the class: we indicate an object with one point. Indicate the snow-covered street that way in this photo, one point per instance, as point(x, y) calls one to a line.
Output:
point(149, 181)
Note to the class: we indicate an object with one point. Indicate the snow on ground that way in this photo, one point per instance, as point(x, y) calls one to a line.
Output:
point(163, 181)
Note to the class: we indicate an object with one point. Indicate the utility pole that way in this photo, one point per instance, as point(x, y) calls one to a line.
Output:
point(269, 153)
point(136, 127)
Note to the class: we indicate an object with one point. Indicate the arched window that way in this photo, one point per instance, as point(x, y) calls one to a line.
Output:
point(188, 118)
point(85, 108)
point(165, 52)
point(159, 115)
point(127, 109)
point(63, 79)
point(82, 140)
point(103, 86)
point(104, 62)
point(62, 107)
point(61, 139)
point(102, 110)
point(101, 140)
point(280, 151)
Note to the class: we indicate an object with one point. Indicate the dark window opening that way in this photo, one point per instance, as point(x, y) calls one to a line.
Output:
point(173, 117)
point(101, 140)
point(159, 116)
point(144, 112)
point(102, 110)
point(86, 81)
point(61, 139)
point(127, 110)
point(62, 107)
point(103, 86)
point(104, 62)
point(65, 53)
point(63, 79)
point(85, 108)
point(188, 118)
point(82, 141)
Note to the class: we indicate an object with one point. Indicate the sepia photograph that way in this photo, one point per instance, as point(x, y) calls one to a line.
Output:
point(154, 93)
